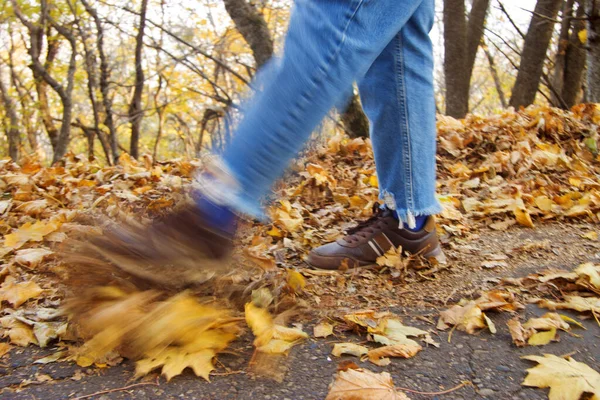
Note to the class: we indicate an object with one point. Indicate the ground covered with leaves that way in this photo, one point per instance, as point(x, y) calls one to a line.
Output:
point(521, 199)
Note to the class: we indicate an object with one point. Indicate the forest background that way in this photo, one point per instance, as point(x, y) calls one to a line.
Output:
point(167, 78)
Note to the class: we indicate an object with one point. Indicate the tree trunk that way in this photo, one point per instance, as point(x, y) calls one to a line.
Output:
point(135, 108)
point(42, 72)
point(25, 100)
point(534, 51)
point(41, 87)
point(593, 53)
point(92, 85)
point(462, 38)
point(66, 96)
point(558, 77)
point(574, 61)
point(253, 28)
point(12, 130)
point(354, 120)
point(475, 29)
point(104, 82)
point(455, 58)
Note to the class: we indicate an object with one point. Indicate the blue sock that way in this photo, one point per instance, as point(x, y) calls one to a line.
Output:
point(419, 222)
point(218, 216)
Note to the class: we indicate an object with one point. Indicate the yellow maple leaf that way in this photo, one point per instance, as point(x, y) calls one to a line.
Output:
point(582, 35)
point(18, 293)
point(174, 360)
point(566, 378)
point(323, 330)
point(30, 232)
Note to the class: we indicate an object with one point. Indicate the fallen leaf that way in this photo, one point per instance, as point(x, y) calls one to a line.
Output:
point(269, 337)
point(262, 297)
point(19, 333)
point(173, 361)
point(379, 356)
point(466, 318)
point(547, 322)
point(590, 273)
point(45, 332)
point(322, 330)
point(566, 378)
point(32, 257)
point(572, 321)
point(349, 348)
point(4, 349)
point(490, 324)
point(18, 293)
point(295, 280)
point(576, 303)
point(30, 232)
point(54, 357)
point(591, 235)
point(355, 384)
point(392, 258)
point(522, 215)
point(517, 332)
point(260, 322)
point(542, 338)
point(34, 207)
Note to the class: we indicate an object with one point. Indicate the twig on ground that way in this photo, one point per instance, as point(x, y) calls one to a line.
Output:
point(227, 373)
point(116, 389)
point(463, 384)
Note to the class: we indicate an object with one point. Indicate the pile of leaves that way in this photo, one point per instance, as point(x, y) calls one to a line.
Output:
point(513, 168)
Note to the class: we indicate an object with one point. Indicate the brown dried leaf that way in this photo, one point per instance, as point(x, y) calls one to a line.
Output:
point(354, 384)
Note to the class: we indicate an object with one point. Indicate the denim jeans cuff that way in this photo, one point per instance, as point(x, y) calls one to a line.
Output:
point(407, 215)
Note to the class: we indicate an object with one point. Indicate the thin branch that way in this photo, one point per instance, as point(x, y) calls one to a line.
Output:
point(180, 40)
point(503, 9)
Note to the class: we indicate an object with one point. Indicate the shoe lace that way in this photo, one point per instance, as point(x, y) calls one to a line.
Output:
point(366, 228)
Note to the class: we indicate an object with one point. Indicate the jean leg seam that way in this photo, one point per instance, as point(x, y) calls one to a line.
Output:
point(404, 125)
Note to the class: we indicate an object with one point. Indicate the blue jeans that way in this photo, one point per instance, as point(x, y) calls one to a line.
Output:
point(383, 45)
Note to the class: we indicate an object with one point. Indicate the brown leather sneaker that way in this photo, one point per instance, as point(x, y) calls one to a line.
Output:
point(372, 238)
point(179, 250)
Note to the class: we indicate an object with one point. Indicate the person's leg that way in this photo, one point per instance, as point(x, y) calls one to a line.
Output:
point(397, 96)
point(329, 44)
